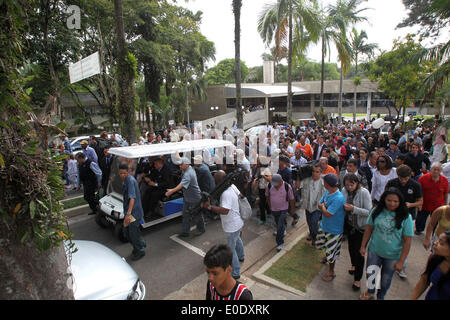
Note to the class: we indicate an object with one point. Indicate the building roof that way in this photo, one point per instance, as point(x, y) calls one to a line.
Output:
point(259, 90)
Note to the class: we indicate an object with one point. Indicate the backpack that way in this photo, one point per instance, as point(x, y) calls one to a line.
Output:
point(286, 187)
point(245, 209)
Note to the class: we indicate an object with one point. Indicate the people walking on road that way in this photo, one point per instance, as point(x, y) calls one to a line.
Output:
point(390, 231)
point(280, 198)
point(90, 176)
point(192, 196)
point(312, 190)
point(357, 207)
point(437, 272)
point(221, 284)
point(435, 190)
point(132, 207)
point(331, 206)
point(232, 222)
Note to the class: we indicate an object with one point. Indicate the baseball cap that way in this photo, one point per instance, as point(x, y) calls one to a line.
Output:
point(84, 142)
point(331, 180)
point(198, 159)
point(185, 160)
point(276, 179)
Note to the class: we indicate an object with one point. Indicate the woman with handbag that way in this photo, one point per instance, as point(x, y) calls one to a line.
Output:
point(357, 207)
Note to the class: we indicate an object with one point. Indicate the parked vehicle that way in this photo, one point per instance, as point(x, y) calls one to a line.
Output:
point(75, 142)
point(110, 211)
point(98, 273)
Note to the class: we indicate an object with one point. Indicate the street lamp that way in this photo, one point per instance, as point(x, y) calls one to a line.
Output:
point(214, 109)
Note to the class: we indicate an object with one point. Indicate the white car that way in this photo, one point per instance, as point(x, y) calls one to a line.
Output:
point(75, 142)
point(98, 273)
point(256, 130)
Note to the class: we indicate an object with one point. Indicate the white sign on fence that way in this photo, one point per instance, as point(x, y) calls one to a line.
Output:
point(84, 68)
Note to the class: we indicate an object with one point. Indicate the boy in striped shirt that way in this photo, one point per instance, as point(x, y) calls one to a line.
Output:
point(221, 285)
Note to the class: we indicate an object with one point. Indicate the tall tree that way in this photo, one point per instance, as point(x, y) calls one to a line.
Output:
point(398, 75)
point(280, 21)
point(359, 47)
point(335, 21)
point(237, 5)
point(126, 72)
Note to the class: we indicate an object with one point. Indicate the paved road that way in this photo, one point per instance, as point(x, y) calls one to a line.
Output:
point(170, 262)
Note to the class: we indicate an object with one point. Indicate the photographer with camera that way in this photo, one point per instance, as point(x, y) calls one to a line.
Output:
point(232, 222)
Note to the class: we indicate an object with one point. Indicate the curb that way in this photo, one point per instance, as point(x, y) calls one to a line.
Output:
point(259, 275)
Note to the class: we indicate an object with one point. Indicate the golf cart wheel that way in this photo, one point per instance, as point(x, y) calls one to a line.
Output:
point(101, 221)
point(119, 232)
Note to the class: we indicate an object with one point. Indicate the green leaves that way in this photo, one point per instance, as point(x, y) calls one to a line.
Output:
point(223, 72)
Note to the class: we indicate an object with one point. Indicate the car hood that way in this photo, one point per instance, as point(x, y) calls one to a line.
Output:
point(100, 273)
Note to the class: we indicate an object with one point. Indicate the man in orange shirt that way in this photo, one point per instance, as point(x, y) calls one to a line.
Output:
point(326, 168)
point(306, 148)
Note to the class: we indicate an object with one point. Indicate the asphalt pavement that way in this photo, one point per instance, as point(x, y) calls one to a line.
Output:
point(173, 269)
point(171, 262)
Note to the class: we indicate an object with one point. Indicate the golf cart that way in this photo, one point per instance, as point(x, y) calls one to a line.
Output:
point(110, 211)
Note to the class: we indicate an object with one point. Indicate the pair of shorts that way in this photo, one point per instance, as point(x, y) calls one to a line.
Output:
point(330, 243)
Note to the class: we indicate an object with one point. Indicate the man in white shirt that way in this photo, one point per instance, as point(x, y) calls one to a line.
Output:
point(232, 222)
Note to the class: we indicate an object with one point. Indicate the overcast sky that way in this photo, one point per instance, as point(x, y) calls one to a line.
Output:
point(218, 26)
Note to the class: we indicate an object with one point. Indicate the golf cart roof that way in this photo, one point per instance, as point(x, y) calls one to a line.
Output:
point(141, 151)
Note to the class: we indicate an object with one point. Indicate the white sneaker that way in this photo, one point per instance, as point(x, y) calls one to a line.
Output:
point(279, 248)
point(402, 274)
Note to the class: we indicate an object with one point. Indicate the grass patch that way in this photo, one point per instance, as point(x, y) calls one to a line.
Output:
point(298, 267)
point(72, 203)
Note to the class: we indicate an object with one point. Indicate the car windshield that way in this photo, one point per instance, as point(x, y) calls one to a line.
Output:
point(115, 185)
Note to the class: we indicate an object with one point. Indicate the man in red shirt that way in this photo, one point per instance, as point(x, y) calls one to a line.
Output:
point(435, 189)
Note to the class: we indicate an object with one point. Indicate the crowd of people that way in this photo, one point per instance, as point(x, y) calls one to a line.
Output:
point(373, 190)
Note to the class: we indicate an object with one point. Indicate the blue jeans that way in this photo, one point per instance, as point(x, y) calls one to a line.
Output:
point(133, 233)
point(312, 219)
point(186, 222)
point(280, 220)
point(235, 242)
point(374, 264)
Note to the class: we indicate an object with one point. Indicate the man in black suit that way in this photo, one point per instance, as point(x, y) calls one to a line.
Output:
point(105, 165)
point(159, 180)
point(318, 147)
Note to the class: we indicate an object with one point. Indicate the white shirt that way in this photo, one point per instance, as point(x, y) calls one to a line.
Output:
point(379, 182)
point(232, 221)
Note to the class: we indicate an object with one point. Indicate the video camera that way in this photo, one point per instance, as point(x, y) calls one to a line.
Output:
point(303, 171)
point(231, 178)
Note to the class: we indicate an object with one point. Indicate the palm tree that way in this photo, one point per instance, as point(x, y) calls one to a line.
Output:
point(237, 5)
point(281, 21)
point(359, 47)
point(335, 21)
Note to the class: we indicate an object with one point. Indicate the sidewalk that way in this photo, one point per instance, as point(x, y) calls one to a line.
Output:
point(261, 252)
